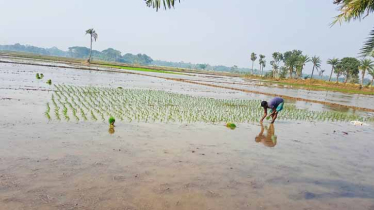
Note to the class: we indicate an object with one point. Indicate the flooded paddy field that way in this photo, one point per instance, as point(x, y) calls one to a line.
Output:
point(138, 165)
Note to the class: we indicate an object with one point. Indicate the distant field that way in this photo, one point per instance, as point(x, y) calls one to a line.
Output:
point(141, 69)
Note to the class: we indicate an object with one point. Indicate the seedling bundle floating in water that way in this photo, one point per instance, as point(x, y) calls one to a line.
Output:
point(94, 103)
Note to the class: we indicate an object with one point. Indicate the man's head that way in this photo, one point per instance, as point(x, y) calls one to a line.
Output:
point(264, 104)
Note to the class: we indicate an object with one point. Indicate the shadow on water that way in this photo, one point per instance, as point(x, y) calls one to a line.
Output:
point(269, 139)
point(336, 188)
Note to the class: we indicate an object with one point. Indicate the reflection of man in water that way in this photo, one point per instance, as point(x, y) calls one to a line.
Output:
point(270, 140)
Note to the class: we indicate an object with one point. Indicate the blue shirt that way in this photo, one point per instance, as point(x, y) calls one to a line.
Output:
point(274, 103)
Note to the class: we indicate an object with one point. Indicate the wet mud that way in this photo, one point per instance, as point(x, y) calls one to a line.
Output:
point(151, 166)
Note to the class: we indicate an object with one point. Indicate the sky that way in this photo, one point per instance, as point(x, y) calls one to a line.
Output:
point(218, 32)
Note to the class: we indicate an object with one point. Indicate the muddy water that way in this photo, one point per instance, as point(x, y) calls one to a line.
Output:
point(69, 165)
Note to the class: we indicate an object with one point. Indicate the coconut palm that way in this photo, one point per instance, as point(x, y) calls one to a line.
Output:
point(356, 10)
point(366, 65)
point(253, 59)
point(93, 36)
point(333, 62)
point(316, 64)
point(157, 3)
point(302, 60)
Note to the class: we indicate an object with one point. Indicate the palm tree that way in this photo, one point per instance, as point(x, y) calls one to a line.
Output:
point(275, 67)
point(277, 56)
point(321, 73)
point(333, 62)
point(356, 10)
point(371, 72)
point(316, 64)
point(157, 3)
point(302, 60)
point(366, 65)
point(93, 36)
point(253, 59)
point(338, 71)
point(261, 62)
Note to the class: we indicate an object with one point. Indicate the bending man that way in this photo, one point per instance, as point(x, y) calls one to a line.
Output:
point(275, 104)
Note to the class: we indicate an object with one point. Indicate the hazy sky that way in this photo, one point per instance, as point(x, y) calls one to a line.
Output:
point(199, 31)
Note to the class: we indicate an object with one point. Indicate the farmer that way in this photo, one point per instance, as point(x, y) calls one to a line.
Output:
point(275, 104)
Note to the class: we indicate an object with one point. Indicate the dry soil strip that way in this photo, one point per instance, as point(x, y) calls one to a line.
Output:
point(200, 83)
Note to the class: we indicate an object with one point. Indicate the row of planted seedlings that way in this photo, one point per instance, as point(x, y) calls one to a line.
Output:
point(99, 103)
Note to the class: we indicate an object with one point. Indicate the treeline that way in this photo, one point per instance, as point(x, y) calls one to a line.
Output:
point(292, 64)
point(203, 66)
point(109, 54)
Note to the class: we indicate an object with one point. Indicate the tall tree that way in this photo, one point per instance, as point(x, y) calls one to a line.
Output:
point(261, 62)
point(333, 62)
point(349, 67)
point(316, 64)
point(321, 73)
point(277, 57)
point(93, 36)
point(356, 10)
point(275, 68)
point(302, 61)
point(290, 59)
point(157, 3)
point(366, 65)
point(253, 59)
point(371, 72)
point(338, 71)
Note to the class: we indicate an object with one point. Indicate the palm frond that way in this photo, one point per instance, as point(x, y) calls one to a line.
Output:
point(168, 4)
point(368, 47)
point(353, 10)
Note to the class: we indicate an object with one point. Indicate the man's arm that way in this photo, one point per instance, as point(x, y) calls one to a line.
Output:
point(275, 115)
point(265, 114)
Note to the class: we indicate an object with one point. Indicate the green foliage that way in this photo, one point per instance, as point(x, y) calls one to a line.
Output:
point(232, 126)
point(142, 69)
point(41, 76)
point(283, 72)
point(333, 62)
point(356, 10)
point(112, 120)
point(37, 76)
point(202, 66)
point(349, 67)
point(253, 57)
point(157, 3)
point(291, 60)
point(316, 64)
point(48, 111)
point(366, 65)
point(49, 82)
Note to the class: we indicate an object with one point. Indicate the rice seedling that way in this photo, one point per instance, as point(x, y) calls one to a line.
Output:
point(161, 106)
point(111, 120)
point(41, 76)
point(232, 126)
point(49, 82)
point(47, 112)
point(37, 76)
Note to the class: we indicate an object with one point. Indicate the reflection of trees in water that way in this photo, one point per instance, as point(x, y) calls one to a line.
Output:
point(270, 139)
